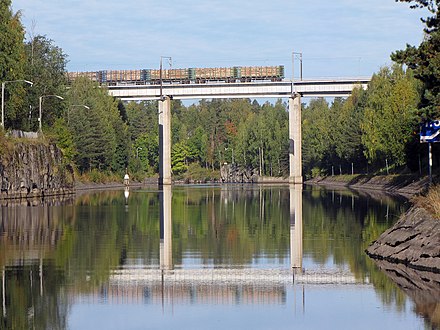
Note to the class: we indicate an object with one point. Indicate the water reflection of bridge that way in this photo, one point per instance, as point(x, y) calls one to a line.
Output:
point(216, 285)
point(168, 275)
point(296, 228)
point(247, 276)
point(219, 283)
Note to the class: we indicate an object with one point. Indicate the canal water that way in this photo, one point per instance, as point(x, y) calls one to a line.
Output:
point(200, 257)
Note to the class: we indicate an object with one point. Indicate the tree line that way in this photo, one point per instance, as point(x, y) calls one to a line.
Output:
point(370, 128)
point(98, 133)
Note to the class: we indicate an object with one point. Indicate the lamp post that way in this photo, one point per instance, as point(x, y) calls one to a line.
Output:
point(75, 105)
point(40, 123)
point(160, 72)
point(3, 96)
point(300, 65)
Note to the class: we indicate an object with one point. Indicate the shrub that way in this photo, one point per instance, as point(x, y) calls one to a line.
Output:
point(197, 173)
point(317, 172)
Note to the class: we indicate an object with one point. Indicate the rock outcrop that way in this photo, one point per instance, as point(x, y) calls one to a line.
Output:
point(232, 173)
point(414, 241)
point(33, 169)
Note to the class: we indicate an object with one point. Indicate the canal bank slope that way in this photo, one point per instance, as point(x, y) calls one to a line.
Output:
point(403, 184)
point(413, 241)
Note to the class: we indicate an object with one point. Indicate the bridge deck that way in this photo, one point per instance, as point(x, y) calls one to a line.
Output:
point(278, 89)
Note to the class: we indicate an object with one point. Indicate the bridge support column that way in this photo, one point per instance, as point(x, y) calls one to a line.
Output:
point(295, 163)
point(165, 141)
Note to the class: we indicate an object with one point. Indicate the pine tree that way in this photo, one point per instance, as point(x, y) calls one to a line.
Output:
point(424, 60)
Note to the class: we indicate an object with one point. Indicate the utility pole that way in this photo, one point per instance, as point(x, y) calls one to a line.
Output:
point(299, 54)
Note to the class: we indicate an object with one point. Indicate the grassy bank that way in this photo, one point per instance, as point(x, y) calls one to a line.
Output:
point(430, 201)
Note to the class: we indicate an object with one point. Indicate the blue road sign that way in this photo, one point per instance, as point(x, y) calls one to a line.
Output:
point(430, 131)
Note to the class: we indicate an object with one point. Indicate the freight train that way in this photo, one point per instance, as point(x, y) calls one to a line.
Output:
point(183, 76)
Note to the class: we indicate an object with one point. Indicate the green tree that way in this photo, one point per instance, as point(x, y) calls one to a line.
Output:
point(346, 131)
point(142, 118)
point(99, 133)
point(146, 148)
point(46, 67)
point(316, 134)
point(12, 62)
point(179, 155)
point(390, 114)
point(64, 139)
point(123, 144)
point(424, 60)
point(197, 145)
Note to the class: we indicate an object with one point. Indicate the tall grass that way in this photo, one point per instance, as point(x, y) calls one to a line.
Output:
point(431, 201)
point(6, 144)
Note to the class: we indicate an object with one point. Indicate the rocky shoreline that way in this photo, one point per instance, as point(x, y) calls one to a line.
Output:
point(413, 241)
point(406, 185)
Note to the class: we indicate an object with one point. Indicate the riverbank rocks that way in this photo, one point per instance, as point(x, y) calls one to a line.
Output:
point(33, 169)
point(232, 173)
point(414, 241)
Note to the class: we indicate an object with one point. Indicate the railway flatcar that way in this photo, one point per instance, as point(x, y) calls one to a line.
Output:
point(92, 75)
point(183, 76)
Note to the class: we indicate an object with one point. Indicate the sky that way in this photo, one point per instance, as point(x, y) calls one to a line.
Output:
point(338, 38)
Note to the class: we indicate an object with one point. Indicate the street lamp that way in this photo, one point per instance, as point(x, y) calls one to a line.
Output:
point(40, 124)
point(160, 71)
point(75, 105)
point(3, 96)
point(300, 64)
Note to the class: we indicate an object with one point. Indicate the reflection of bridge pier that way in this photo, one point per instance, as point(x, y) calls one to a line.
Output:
point(166, 246)
point(4, 291)
point(296, 228)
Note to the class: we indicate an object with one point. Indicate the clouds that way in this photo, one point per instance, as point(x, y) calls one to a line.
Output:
point(115, 34)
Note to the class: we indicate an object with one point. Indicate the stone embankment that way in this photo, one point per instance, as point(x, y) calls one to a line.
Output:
point(413, 241)
point(399, 184)
point(33, 169)
point(232, 173)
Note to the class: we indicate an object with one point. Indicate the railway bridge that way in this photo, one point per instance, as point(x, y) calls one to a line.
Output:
point(293, 90)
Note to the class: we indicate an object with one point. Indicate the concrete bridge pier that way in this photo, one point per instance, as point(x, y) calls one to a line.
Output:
point(295, 163)
point(165, 141)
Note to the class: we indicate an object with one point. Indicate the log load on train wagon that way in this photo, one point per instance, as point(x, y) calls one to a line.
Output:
point(183, 76)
